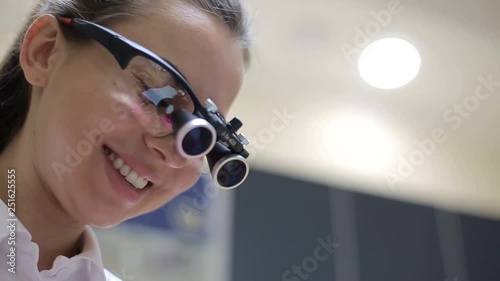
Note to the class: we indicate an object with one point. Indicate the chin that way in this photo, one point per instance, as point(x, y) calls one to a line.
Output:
point(102, 213)
point(106, 222)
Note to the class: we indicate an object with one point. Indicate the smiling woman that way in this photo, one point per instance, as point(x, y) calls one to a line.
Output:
point(92, 134)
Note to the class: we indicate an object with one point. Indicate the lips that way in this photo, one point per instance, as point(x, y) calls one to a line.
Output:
point(131, 176)
point(125, 186)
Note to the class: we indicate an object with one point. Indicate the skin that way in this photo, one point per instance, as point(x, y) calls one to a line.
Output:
point(74, 88)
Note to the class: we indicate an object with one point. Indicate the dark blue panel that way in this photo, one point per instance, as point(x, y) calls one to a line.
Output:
point(277, 224)
point(397, 241)
point(482, 248)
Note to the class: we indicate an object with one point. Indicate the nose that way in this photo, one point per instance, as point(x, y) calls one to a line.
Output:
point(165, 150)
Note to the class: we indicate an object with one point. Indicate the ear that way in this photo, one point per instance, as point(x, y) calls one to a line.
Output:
point(40, 48)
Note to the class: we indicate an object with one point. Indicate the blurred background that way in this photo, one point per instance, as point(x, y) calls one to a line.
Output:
point(375, 156)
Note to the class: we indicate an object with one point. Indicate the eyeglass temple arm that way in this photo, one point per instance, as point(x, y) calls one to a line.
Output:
point(104, 36)
point(120, 46)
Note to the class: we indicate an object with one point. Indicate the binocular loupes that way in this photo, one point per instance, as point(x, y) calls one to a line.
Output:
point(206, 133)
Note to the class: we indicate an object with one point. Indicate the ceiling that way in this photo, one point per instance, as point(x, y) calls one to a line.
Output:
point(310, 116)
point(349, 134)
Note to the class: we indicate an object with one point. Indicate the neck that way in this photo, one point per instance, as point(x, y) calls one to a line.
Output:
point(36, 207)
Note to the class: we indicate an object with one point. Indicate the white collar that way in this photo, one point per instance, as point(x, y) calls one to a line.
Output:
point(90, 247)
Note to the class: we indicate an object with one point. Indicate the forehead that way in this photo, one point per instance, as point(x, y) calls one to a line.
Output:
point(197, 43)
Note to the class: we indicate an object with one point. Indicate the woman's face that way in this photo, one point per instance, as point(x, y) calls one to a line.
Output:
point(83, 109)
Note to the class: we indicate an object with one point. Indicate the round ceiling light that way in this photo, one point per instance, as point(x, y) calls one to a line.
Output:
point(389, 63)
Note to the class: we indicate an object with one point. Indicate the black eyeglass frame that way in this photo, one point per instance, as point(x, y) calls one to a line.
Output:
point(124, 50)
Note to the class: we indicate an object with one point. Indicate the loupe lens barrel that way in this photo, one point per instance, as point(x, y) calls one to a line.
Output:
point(228, 170)
point(195, 136)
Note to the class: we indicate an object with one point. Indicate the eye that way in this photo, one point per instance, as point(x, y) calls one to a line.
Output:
point(141, 84)
point(147, 104)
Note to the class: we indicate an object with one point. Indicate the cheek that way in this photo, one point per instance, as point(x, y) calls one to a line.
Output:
point(61, 157)
point(187, 177)
point(61, 141)
point(184, 179)
point(59, 129)
point(72, 118)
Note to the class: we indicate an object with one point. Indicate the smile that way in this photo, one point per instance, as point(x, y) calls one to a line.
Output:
point(132, 177)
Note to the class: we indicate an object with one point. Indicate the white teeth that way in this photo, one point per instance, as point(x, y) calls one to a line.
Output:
point(124, 170)
point(130, 175)
point(140, 182)
point(118, 163)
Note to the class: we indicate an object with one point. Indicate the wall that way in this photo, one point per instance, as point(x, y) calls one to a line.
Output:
point(279, 221)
